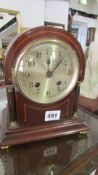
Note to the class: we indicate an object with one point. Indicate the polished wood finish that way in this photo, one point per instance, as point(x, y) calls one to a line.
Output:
point(26, 134)
point(27, 109)
point(26, 122)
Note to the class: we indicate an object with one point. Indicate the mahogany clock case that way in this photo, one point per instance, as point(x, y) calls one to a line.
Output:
point(25, 122)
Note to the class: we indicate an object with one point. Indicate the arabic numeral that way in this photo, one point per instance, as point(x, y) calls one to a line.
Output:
point(52, 115)
point(31, 63)
point(26, 74)
point(49, 51)
point(38, 54)
point(48, 93)
point(58, 89)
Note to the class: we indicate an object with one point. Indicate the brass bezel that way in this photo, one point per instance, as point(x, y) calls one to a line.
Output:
point(64, 93)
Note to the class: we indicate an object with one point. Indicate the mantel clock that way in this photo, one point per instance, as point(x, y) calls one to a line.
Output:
point(43, 69)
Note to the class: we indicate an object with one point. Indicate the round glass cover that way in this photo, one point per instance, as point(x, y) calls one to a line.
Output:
point(46, 71)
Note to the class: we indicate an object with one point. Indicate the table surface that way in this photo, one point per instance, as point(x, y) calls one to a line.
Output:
point(69, 155)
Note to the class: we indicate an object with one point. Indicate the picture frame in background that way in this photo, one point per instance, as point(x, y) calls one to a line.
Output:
point(52, 24)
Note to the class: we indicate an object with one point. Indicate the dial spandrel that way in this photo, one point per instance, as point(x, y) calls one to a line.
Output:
point(47, 71)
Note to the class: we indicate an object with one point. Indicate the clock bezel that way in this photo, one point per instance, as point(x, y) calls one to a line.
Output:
point(61, 95)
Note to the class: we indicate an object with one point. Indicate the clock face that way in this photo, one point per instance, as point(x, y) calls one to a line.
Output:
point(46, 71)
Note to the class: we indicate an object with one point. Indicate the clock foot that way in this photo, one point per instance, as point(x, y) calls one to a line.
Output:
point(83, 132)
point(4, 147)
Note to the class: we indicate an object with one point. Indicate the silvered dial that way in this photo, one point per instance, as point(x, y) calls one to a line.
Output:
point(46, 71)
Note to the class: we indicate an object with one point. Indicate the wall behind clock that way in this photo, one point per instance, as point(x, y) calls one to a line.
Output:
point(34, 13)
point(56, 11)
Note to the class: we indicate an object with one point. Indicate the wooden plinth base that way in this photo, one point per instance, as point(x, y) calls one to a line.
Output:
point(25, 135)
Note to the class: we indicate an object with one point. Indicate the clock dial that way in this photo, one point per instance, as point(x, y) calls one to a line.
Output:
point(46, 71)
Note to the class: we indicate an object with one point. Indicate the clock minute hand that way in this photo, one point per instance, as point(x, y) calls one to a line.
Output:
point(59, 62)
